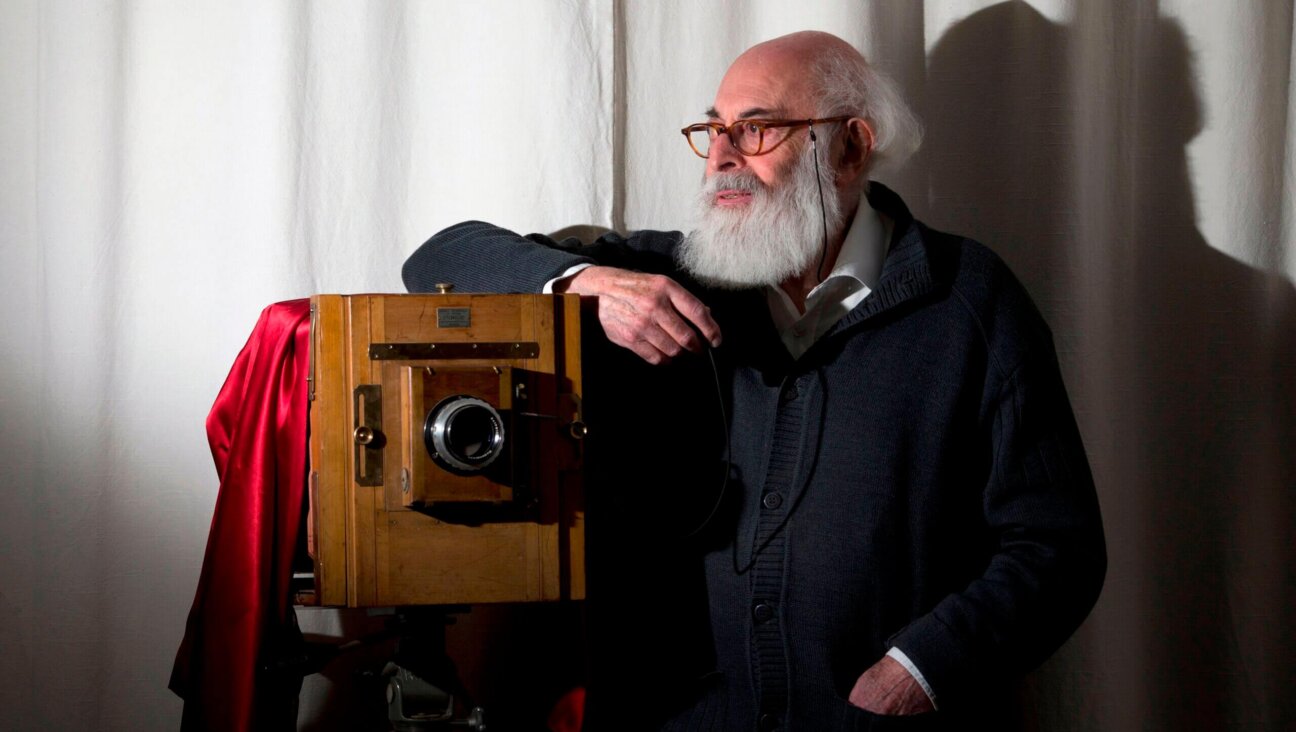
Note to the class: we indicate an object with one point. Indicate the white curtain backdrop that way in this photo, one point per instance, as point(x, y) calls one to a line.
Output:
point(169, 168)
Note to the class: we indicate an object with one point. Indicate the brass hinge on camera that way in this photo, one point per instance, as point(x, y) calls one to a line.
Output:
point(453, 351)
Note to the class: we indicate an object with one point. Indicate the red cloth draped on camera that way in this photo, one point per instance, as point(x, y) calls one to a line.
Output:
point(257, 431)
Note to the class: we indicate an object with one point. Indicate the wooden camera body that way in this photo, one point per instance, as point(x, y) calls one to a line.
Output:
point(445, 450)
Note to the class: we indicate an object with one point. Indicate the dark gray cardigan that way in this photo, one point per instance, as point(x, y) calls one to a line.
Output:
point(915, 479)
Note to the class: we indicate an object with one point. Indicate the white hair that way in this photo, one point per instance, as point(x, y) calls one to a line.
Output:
point(848, 85)
point(777, 236)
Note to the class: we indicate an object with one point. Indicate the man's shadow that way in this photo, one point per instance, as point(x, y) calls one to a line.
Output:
point(1065, 152)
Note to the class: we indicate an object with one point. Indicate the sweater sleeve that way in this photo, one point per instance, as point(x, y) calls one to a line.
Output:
point(476, 256)
point(1050, 558)
point(479, 257)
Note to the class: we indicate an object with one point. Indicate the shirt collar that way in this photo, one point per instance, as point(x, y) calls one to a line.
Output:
point(863, 249)
point(853, 276)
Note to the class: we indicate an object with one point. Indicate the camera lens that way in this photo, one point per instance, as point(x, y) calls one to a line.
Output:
point(464, 434)
point(471, 433)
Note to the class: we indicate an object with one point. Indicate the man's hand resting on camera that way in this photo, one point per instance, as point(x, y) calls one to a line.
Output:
point(651, 315)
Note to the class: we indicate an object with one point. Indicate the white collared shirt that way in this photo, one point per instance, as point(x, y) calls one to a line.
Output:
point(853, 277)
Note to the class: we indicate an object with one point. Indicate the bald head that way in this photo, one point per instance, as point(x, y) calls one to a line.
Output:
point(816, 74)
point(783, 69)
point(796, 52)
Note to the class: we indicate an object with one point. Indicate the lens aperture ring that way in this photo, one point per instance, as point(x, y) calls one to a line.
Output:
point(464, 434)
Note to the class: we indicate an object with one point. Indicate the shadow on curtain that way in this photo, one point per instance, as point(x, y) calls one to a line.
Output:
point(1063, 147)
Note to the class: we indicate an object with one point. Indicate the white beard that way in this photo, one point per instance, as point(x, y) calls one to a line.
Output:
point(779, 235)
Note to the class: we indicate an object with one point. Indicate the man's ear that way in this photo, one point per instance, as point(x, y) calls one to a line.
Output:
point(856, 151)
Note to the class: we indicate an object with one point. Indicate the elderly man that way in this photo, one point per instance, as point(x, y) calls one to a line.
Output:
point(915, 523)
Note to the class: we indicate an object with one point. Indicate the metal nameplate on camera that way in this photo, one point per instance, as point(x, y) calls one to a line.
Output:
point(454, 317)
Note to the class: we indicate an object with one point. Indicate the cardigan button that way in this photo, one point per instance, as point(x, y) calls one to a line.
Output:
point(769, 722)
point(790, 392)
point(772, 500)
point(763, 612)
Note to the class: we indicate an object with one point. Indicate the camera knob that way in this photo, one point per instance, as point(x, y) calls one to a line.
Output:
point(363, 435)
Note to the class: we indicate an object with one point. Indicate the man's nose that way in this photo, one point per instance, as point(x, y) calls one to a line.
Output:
point(723, 156)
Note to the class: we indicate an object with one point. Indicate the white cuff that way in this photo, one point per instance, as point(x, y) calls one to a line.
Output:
point(548, 286)
point(909, 666)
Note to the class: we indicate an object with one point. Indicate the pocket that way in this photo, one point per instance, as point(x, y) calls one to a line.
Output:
point(854, 719)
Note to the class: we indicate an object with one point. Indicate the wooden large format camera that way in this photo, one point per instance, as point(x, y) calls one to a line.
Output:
point(445, 450)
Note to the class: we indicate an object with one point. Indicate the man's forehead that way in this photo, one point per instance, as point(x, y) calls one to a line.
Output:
point(763, 83)
point(756, 112)
point(756, 106)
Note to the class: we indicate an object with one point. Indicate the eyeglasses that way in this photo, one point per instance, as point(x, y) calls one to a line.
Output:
point(749, 136)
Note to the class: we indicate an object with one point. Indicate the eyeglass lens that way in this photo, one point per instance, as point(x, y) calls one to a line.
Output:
point(744, 136)
point(748, 137)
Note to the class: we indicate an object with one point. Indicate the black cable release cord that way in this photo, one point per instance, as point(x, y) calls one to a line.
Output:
point(724, 425)
point(823, 209)
point(724, 485)
point(823, 251)
point(715, 372)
